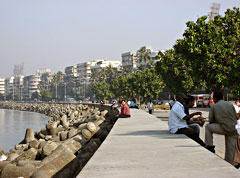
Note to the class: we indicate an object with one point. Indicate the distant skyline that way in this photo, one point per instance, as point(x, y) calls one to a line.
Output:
point(59, 33)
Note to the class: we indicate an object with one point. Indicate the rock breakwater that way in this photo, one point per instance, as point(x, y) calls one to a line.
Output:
point(63, 146)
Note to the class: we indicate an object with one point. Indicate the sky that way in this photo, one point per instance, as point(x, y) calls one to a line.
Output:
point(59, 33)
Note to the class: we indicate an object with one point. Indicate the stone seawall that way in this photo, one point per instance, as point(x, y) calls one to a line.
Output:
point(64, 146)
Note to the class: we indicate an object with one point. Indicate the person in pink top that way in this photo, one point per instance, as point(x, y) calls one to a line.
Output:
point(125, 111)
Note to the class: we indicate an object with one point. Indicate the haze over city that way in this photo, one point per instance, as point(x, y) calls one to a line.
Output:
point(58, 33)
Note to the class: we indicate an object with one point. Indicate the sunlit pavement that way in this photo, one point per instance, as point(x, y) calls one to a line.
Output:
point(218, 140)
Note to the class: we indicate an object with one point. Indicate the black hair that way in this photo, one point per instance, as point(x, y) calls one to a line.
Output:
point(190, 98)
point(218, 95)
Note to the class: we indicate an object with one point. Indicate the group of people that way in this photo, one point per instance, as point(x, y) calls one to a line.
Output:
point(222, 120)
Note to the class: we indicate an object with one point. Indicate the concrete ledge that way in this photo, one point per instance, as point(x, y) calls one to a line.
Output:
point(141, 146)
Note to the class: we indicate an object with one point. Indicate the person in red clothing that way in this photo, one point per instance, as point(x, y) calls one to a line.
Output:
point(125, 111)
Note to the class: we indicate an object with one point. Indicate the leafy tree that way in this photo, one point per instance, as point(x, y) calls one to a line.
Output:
point(143, 56)
point(121, 86)
point(1, 97)
point(211, 49)
point(174, 72)
point(102, 90)
point(148, 83)
point(46, 95)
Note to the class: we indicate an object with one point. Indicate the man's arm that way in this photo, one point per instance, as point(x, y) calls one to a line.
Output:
point(189, 116)
point(211, 117)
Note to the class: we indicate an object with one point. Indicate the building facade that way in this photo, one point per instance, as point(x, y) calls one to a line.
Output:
point(31, 83)
point(2, 86)
point(129, 61)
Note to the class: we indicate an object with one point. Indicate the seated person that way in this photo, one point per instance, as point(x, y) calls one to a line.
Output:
point(133, 104)
point(193, 123)
point(177, 121)
point(125, 111)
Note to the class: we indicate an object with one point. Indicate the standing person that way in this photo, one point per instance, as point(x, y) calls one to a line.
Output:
point(237, 146)
point(150, 106)
point(222, 120)
point(177, 121)
point(125, 111)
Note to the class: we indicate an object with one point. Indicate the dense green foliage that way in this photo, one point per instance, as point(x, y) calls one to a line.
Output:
point(146, 84)
point(207, 57)
point(46, 95)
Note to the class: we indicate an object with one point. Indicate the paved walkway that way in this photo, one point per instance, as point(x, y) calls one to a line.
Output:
point(219, 140)
point(141, 146)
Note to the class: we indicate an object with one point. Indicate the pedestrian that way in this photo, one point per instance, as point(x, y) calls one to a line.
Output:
point(177, 121)
point(237, 146)
point(150, 106)
point(222, 120)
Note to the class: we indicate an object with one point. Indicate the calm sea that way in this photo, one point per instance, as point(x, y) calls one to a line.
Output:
point(13, 125)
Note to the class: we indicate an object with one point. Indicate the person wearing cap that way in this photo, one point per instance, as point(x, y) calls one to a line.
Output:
point(222, 120)
point(177, 121)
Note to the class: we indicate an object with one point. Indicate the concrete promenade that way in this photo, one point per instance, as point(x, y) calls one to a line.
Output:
point(141, 146)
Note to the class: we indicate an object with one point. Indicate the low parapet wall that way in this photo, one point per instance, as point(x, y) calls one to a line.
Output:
point(64, 146)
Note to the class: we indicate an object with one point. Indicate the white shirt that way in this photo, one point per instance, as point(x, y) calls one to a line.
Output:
point(236, 107)
point(150, 105)
point(175, 120)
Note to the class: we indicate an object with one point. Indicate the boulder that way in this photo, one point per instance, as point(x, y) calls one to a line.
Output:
point(12, 171)
point(29, 135)
point(27, 155)
point(48, 148)
point(34, 144)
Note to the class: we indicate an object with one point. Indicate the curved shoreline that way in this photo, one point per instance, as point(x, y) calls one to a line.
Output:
point(64, 146)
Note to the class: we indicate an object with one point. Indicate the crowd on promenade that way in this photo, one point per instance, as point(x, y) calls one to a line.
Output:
point(224, 119)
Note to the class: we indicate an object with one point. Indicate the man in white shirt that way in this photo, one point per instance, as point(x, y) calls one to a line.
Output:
point(178, 121)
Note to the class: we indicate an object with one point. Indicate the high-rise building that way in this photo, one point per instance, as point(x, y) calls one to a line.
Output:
point(18, 87)
point(9, 86)
point(2, 86)
point(129, 61)
point(31, 83)
point(18, 69)
point(215, 7)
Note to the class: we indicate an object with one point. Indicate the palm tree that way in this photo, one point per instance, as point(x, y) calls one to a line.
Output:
point(143, 55)
point(56, 81)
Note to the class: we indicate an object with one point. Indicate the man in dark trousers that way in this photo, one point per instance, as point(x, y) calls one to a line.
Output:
point(178, 121)
point(222, 120)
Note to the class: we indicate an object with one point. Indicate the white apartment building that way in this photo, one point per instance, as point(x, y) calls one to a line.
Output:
point(9, 86)
point(71, 73)
point(43, 71)
point(2, 86)
point(31, 83)
point(105, 63)
point(129, 61)
point(18, 87)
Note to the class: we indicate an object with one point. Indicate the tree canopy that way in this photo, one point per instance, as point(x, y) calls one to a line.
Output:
point(207, 57)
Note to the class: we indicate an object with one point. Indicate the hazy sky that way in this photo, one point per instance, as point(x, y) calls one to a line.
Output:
point(58, 33)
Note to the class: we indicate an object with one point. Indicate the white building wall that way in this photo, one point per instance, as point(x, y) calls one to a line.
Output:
point(2, 86)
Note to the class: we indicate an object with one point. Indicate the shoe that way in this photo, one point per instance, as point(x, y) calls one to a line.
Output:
point(210, 148)
point(237, 166)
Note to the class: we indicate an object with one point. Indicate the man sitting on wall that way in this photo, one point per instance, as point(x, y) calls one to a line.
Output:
point(178, 121)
